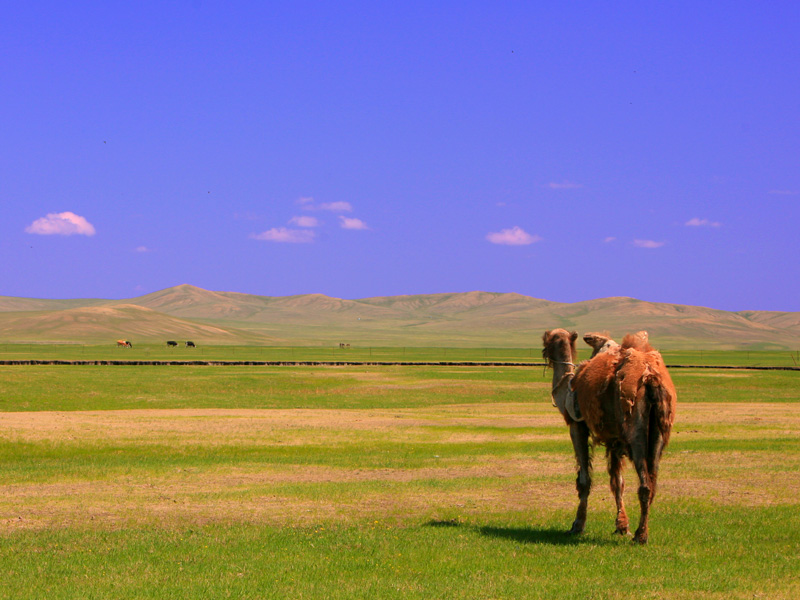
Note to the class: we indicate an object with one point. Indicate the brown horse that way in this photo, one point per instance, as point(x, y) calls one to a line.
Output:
point(124, 344)
point(624, 398)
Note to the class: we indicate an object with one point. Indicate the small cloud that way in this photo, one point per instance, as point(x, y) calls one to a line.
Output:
point(609, 239)
point(702, 223)
point(564, 185)
point(304, 221)
point(309, 204)
point(142, 249)
point(784, 192)
point(286, 236)
point(336, 207)
point(515, 236)
point(65, 223)
point(647, 244)
point(348, 223)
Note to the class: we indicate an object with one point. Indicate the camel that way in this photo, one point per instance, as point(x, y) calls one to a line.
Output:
point(624, 398)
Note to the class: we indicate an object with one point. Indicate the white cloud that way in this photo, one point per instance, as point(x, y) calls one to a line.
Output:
point(515, 236)
point(304, 221)
point(784, 192)
point(286, 236)
point(65, 223)
point(309, 204)
point(142, 249)
point(610, 239)
point(336, 207)
point(647, 244)
point(702, 223)
point(348, 223)
point(564, 185)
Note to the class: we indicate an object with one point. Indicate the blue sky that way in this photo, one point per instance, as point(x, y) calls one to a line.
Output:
point(565, 151)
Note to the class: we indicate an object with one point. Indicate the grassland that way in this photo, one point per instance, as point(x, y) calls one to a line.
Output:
point(212, 352)
point(378, 482)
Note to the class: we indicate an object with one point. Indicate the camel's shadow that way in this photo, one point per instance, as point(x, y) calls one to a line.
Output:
point(531, 535)
point(522, 535)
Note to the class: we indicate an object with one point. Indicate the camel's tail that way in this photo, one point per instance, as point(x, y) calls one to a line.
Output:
point(660, 393)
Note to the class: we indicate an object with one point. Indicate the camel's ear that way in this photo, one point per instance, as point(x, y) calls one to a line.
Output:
point(573, 336)
point(546, 335)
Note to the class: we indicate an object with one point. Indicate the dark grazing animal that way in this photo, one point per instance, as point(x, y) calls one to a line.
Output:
point(172, 343)
point(624, 398)
point(190, 344)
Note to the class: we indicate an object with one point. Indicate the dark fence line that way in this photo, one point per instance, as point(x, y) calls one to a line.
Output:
point(324, 363)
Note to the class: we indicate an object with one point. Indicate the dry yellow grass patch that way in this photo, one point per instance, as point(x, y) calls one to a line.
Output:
point(256, 425)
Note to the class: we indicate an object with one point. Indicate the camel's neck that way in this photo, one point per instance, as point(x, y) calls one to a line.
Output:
point(560, 391)
point(560, 373)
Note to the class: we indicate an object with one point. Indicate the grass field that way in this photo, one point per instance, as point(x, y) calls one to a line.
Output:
point(77, 352)
point(378, 482)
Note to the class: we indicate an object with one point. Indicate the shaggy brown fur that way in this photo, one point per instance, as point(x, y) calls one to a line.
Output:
point(627, 401)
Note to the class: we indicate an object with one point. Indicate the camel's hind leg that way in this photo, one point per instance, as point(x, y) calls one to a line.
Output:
point(615, 465)
point(579, 433)
point(647, 447)
point(645, 491)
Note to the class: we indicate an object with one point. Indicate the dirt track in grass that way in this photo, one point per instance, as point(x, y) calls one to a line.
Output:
point(240, 488)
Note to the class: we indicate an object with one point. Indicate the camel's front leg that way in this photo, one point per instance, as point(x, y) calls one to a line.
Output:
point(615, 464)
point(579, 433)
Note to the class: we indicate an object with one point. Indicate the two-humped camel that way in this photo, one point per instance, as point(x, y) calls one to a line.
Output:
point(624, 398)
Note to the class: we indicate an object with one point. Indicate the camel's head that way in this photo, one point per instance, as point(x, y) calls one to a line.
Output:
point(600, 342)
point(558, 345)
point(597, 340)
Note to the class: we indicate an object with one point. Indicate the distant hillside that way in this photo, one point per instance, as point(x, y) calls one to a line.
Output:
point(10, 303)
point(465, 319)
point(104, 323)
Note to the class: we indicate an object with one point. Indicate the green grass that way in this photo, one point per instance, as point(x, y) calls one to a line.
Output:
point(90, 387)
point(707, 385)
point(378, 482)
point(702, 553)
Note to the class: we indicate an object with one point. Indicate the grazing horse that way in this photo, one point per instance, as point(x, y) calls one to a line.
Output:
point(172, 343)
point(190, 344)
point(124, 344)
point(623, 398)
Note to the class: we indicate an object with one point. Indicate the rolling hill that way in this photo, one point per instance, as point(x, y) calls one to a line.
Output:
point(459, 319)
point(104, 323)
